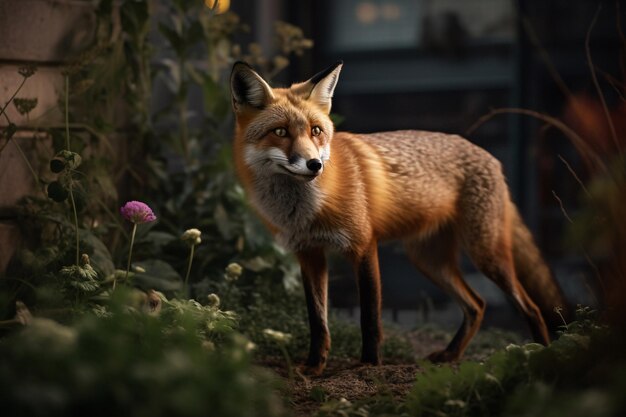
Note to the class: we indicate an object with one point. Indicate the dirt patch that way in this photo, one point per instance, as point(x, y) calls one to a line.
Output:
point(349, 379)
point(344, 379)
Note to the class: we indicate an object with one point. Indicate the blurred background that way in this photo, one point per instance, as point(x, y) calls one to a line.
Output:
point(409, 64)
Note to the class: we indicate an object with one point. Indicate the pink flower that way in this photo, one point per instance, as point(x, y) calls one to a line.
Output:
point(137, 212)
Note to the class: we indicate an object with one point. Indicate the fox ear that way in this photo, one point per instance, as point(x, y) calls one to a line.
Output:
point(248, 88)
point(321, 86)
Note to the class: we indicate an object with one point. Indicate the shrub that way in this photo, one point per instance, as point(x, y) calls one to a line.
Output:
point(130, 363)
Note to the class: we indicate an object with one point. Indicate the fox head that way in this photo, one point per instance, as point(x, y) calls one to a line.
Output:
point(284, 131)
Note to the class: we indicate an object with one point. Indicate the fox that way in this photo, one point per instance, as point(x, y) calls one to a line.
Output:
point(318, 190)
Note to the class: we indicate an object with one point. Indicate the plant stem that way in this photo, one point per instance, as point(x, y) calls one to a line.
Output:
point(67, 113)
point(193, 247)
point(30, 167)
point(579, 143)
point(184, 133)
point(75, 222)
point(67, 146)
point(19, 148)
point(182, 110)
point(4, 324)
point(112, 216)
point(558, 311)
point(130, 253)
point(594, 78)
point(288, 359)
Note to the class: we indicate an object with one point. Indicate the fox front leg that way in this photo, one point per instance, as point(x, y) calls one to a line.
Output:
point(315, 281)
point(368, 279)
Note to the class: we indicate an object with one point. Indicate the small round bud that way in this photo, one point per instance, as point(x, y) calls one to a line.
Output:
point(214, 300)
point(192, 236)
point(233, 271)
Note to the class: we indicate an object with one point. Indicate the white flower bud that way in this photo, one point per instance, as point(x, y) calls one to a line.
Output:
point(191, 236)
point(214, 300)
point(233, 271)
point(277, 336)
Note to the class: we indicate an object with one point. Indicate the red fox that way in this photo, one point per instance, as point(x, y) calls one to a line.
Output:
point(317, 190)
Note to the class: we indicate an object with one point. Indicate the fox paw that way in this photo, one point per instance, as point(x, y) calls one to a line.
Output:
point(443, 356)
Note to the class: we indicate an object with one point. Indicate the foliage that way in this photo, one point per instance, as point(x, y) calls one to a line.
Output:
point(212, 322)
point(489, 341)
point(487, 388)
point(186, 173)
point(261, 304)
point(131, 363)
point(83, 279)
point(191, 189)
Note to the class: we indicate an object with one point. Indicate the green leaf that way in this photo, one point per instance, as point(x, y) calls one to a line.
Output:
point(83, 278)
point(195, 33)
point(157, 241)
point(134, 16)
point(100, 256)
point(215, 100)
point(172, 77)
point(175, 40)
point(158, 275)
point(256, 264)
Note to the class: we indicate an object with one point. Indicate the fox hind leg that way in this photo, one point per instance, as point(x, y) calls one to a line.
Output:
point(487, 238)
point(437, 258)
point(498, 266)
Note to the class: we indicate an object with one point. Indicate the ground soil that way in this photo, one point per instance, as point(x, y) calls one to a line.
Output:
point(349, 379)
point(344, 379)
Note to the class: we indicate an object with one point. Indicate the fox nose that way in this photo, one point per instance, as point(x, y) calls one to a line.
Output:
point(314, 164)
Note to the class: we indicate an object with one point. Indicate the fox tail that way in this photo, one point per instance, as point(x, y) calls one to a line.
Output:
point(535, 276)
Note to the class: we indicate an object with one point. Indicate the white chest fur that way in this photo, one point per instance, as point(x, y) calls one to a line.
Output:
point(293, 207)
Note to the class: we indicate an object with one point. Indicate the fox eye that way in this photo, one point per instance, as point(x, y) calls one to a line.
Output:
point(316, 131)
point(280, 131)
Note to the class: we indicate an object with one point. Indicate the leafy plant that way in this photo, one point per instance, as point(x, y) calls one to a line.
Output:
point(493, 387)
point(188, 189)
point(131, 363)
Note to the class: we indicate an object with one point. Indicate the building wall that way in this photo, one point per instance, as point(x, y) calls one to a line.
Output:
point(44, 33)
